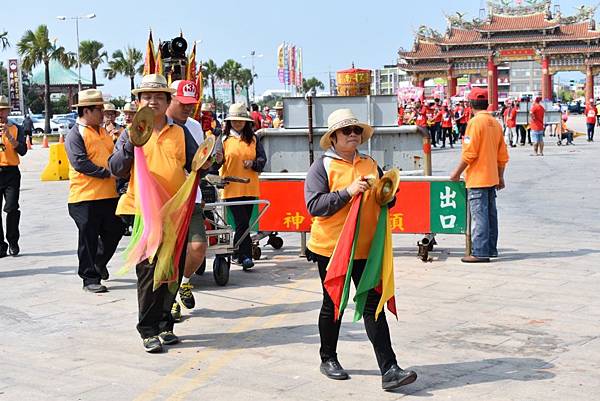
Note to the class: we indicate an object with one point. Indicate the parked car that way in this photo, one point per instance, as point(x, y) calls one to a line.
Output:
point(64, 122)
point(38, 126)
point(17, 120)
point(575, 107)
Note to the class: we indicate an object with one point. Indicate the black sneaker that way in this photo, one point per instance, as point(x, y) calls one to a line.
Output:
point(186, 296)
point(176, 312)
point(14, 249)
point(247, 264)
point(168, 338)
point(333, 370)
point(3, 251)
point(152, 344)
point(95, 288)
point(396, 377)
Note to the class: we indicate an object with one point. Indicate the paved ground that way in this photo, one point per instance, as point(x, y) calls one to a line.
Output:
point(525, 327)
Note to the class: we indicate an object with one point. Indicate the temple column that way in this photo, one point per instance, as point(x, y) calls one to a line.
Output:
point(452, 81)
point(546, 79)
point(492, 79)
point(589, 83)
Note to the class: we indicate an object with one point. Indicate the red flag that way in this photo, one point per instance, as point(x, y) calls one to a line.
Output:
point(149, 62)
point(341, 260)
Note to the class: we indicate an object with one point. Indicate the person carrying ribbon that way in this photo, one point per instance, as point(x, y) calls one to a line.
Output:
point(339, 192)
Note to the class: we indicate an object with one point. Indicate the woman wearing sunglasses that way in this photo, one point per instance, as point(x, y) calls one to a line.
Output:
point(331, 183)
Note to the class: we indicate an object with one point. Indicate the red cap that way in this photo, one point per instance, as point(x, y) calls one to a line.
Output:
point(478, 94)
point(187, 91)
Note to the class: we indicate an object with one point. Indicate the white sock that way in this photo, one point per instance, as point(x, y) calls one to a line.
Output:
point(185, 280)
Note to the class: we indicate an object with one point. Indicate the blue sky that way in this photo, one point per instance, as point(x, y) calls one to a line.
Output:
point(332, 33)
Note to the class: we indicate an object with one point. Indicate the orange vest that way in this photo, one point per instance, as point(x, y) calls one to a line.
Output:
point(98, 146)
point(165, 156)
point(235, 151)
point(326, 230)
point(9, 157)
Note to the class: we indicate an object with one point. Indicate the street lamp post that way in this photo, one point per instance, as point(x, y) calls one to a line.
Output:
point(77, 18)
point(252, 55)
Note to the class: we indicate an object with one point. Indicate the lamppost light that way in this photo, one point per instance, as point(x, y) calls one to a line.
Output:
point(61, 18)
point(90, 16)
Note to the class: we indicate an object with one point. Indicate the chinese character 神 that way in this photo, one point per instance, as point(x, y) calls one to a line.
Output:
point(397, 221)
point(447, 199)
point(447, 221)
point(293, 220)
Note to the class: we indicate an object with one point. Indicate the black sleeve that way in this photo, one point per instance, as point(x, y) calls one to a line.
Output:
point(121, 160)
point(258, 164)
point(21, 148)
point(191, 147)
point(78, 157)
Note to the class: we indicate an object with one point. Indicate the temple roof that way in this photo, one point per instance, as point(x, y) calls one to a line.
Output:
point(502, 23)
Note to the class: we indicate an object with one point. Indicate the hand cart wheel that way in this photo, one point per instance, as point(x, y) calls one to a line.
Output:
point(256, 251)
point(221, 267)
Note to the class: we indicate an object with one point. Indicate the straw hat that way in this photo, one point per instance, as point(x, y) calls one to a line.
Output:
point(238, 112)
point(278, 105)
point(90, 97)
point(109, 107)
point(129, 108)
point(154, 83)
point(344, 118)
point(4, 103)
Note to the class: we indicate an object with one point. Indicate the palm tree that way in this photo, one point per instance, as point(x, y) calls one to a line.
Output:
point(246, 79)
point(211, 71)
point(229, 72)
point(91, 53)
point(310, 84)
point(4, 40)
point(36, 48)
point(127, 64)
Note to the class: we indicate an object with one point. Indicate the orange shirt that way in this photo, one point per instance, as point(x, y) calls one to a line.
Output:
point(235, 151)
point(537, 123)
point(165, 156)
point(326, 230)
point(98, 147)
point(484, 150)
point(9, 157)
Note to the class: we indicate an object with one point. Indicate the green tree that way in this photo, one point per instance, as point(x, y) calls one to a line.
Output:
point(210, 70)
point(36, 48)
point(245, 78)
point(4, 43)
point(229, 72)
point(3, 79)
point(310, 84)
point(61, 106)
point(91, 53)
point(125, 63)
point(119, 102)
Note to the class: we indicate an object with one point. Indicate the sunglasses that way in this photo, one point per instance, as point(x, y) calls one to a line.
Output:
point(353, 128)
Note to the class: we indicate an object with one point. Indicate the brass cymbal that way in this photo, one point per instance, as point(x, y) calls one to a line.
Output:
point(141, 126)
point(386, 187)
point(203, 153)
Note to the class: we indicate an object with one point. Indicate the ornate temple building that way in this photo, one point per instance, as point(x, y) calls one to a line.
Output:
point(509, 39)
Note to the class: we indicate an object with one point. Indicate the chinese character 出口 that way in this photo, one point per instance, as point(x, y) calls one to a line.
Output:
point(293, 220)
point(447, 199)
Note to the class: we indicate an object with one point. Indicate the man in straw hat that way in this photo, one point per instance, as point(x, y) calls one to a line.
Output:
point(110, 115)
point(169, 153)
point(180, 109)
point(12, 144)
point(92, 191)
point(331, 184)
point(484, 157)
point(278, 120)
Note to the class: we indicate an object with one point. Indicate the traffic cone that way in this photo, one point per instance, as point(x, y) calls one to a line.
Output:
point(28, 141)
point(61, 138)
point(45, 141)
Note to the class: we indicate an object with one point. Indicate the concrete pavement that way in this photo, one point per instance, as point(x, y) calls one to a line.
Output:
point(525, 327)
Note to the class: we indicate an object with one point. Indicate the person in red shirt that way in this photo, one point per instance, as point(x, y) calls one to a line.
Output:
point(536, 124)
point(510, 119)
point(459, 113)
point(267, 121)
point(437, 120)
point(590, 119)
point(401, 115)
point(256, 117)
point(420, 115)
point(446, 116)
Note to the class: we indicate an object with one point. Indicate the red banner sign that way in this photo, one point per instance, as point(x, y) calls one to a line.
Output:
point(517, 52)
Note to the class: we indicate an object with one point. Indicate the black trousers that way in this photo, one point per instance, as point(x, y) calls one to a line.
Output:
point(99, 234)
point(10, 185)
point(241, 217)
point(329, 329)
point(432, 134)
point(154, 307)
point(462, 128)
point(447, 132)
point(590, 131)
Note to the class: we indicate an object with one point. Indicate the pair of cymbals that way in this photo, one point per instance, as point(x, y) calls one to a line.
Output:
point(385, 188)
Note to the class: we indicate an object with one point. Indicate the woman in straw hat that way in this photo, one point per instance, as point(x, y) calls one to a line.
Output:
point(241, 155)
point(331, 183)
